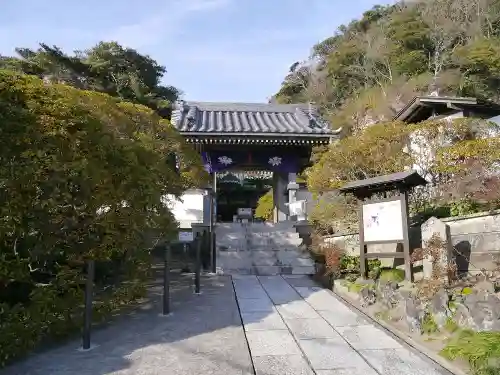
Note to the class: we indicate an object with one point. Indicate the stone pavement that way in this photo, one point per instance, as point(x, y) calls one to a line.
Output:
point(296, 328)
point(291, 327)
point(203, 336)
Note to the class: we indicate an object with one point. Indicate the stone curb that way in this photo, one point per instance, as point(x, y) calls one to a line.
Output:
point(404, 337)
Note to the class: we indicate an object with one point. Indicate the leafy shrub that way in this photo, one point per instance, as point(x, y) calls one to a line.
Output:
point(83, 176)
point(429, 325)
point(392, 274)
point(461, 171)
point(466, 291)
point(265, 206)
point(350, 265)
point(333, 259)
point(480, 349)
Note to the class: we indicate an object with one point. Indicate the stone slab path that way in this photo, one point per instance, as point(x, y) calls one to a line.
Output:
point(203, 336)
point(296, 328)
point(290, 327)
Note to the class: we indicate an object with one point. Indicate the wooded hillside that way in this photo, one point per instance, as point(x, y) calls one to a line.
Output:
point(362, 76)
point(371, 67)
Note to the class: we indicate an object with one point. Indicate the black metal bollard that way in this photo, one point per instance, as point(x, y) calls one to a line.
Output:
point(205, 254)
point(213, 248)
point(166, 281)
point(87, 315)
point(197, 272)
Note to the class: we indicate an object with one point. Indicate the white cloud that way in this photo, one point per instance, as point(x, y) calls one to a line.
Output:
point(164, 24)
point(203, 5)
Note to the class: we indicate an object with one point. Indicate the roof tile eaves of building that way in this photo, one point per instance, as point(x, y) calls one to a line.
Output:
point(260, 123)
point(244, 121)
point(294, 122)
point(249, 118)
point(279, 120)
point(235, 119)
point(270, 124)
point(254, 126)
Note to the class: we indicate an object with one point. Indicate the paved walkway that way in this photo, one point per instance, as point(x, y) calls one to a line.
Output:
point(290, 326)
point(204, 336)
point(295, 328)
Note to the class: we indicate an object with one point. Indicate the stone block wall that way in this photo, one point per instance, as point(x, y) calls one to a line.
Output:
point(476, 237)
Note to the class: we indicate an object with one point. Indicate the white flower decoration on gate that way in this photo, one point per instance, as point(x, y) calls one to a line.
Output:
point(274, 161)
point(225, 160)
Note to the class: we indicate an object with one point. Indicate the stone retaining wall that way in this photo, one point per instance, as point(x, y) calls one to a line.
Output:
point(474, 236)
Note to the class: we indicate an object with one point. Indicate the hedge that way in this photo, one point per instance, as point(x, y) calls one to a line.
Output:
point(82, 176)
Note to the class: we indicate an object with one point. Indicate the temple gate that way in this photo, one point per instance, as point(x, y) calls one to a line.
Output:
point(255, 137)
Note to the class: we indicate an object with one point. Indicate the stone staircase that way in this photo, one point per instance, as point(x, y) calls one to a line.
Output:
point(261, 249)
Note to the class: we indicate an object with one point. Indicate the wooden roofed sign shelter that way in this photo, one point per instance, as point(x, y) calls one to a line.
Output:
point(384, 220)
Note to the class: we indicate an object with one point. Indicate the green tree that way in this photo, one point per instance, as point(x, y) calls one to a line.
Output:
point(265, 205)
point(83, 176)
point(107, 67)
point(373, 66)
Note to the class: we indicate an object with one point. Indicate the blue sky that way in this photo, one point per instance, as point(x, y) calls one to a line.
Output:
point(214, 50)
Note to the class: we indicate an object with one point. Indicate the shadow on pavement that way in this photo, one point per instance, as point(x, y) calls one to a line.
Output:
point(203, 335)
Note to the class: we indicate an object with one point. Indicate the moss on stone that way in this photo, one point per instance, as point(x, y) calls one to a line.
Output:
point(451, 326)
point(429, 325)
point(466, 291)
point(355, 287)
point(392, 274)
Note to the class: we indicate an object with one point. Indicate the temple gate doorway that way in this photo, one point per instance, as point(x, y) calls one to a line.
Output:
point(277, 138)
point(244, 139)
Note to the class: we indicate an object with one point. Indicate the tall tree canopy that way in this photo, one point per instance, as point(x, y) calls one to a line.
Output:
point(107, 67)
point(372, 66)
point(83, 175)
point(365, 73)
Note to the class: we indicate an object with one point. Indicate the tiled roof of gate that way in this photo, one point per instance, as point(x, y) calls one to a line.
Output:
point(203, 118)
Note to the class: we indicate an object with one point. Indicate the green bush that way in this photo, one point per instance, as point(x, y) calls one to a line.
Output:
point(429, 325)
point(392, 274)
point(480, 349)
point(265, 206)
point(466, 291)
point(350, 265)
point(83, 176)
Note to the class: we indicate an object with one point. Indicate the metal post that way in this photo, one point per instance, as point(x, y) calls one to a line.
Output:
point(87, 316)
point(166, 281)
point(205, 250)
point(211, 248)
point(185, 251)
point(199, 244)
point(214, 223)
point(214, 252)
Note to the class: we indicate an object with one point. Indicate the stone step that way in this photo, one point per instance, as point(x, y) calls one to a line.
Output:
point(261, 249)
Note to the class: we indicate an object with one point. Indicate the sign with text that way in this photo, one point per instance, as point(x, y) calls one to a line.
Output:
point(383, 221)
point(185, 236)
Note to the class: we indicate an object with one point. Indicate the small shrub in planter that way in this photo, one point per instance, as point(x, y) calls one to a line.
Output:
point(392, 274)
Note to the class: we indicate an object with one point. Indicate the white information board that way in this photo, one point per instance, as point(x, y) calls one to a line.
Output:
point(382, 221)
point(186, 237)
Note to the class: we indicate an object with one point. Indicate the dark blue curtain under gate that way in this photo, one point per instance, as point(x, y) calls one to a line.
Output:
point(217, 161)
